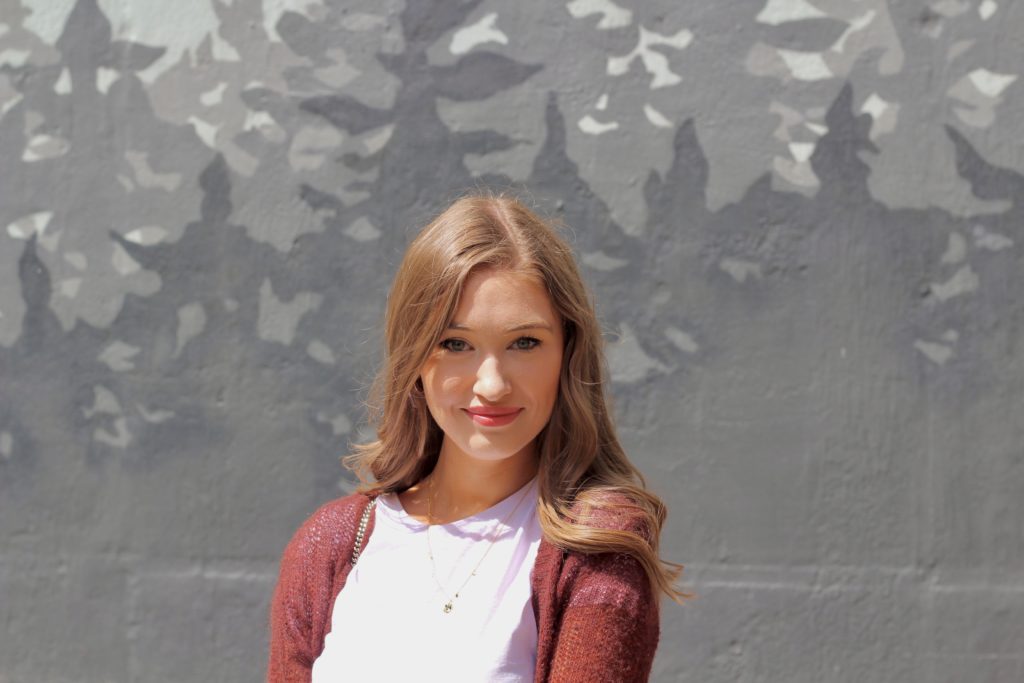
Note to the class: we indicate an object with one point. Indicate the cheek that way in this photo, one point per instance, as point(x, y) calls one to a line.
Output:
point(443, 390)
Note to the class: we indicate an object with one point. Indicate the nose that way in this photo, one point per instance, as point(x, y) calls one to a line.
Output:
point(491, 384)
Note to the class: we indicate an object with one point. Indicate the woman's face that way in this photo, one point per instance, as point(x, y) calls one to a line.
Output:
point(492, 381)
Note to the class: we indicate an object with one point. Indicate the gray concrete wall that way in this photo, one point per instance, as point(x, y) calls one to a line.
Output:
point(803, 220)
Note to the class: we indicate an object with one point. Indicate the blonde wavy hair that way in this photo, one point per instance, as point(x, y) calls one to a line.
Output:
point(584, 474)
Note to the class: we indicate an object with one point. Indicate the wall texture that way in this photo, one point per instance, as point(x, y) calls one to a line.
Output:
point(803, 221)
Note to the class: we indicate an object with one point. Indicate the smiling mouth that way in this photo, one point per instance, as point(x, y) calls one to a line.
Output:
point(493, 419)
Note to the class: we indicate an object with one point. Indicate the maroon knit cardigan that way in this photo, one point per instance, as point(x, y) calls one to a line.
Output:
point(597, 615)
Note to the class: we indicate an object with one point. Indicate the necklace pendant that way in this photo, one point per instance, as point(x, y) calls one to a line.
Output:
point(448, 607)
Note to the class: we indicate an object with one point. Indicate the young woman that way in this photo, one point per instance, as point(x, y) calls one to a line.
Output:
point(500, 532)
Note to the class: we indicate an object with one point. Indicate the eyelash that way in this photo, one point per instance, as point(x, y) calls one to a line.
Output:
point(534, 343)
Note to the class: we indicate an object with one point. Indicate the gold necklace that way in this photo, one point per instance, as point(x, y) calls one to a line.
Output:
point(430, 551)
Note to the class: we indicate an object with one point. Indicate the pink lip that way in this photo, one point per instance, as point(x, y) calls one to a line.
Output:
point(492, 417)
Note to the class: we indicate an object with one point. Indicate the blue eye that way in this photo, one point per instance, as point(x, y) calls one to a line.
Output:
point(446, 344)
point(532, 343)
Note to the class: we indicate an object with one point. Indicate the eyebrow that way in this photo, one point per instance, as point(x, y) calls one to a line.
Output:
point(536, 325)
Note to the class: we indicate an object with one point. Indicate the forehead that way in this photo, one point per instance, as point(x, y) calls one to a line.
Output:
point(505, 295)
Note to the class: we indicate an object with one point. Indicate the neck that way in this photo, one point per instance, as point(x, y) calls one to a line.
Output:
point(463, 485)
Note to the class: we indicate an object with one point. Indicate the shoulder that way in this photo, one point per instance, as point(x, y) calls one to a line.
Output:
point(340, 509)
point(329, 529)
point(612, 576)
point(611, 510)
point(338, 512)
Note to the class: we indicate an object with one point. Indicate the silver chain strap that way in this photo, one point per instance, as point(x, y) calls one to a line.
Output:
point(361, 531)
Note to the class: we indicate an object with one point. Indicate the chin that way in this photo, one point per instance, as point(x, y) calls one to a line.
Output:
point(489, 451)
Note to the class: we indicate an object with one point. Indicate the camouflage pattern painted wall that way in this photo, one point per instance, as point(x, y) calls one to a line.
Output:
point(802, 220)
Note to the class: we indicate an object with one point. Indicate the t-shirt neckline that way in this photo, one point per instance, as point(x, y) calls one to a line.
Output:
point(394, 511)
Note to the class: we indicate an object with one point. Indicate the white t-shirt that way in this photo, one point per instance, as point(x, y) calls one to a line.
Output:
point(389, 623)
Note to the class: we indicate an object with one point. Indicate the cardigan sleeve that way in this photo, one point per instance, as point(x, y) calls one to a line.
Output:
point(610, 625)
point(291, 621)
point(303, 598)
